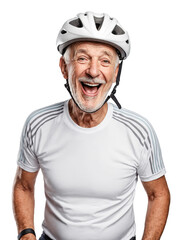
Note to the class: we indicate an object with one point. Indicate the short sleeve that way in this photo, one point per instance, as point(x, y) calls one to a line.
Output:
point(27, 158)
point(151, 164)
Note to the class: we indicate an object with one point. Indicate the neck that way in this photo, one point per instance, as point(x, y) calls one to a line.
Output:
point(84, 119)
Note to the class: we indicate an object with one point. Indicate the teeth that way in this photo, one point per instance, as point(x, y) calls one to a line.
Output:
point(91, 85)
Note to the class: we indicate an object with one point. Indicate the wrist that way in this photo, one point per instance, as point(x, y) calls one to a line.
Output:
point(28, 236)
point(24, 234)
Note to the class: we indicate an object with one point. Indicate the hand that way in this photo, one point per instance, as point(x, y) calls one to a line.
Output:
point(28, 236)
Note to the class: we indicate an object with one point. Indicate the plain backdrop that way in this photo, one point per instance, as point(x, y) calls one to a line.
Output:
point(153, 83)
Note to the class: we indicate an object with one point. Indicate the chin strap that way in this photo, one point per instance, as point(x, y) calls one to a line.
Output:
point(112, 95)
point(68, 88)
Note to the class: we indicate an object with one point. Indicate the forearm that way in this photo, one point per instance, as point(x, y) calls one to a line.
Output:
point(157, 212)
point(23, 205)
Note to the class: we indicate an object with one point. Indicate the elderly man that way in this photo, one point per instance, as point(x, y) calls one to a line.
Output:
point(90, 151)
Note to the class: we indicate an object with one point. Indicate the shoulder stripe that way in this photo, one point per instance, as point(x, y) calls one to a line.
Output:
point(122, 117)
point(41, 110)
point(129, 128)
point(44, 118)
point(39, 118)
point(132, 119)
point(156, 156)
point(43, 124)
point(56, 110)
point(140, 125)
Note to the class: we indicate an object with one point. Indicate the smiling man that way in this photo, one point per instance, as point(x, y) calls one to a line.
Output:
point(94, 65)
point(90, 151)
point(91, 69)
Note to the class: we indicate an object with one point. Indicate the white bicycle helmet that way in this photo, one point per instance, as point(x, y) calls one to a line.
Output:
point(94, 27)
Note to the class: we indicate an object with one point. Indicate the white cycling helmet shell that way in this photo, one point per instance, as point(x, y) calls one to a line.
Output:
point(96, 27)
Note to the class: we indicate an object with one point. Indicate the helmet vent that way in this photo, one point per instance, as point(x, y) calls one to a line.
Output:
point(76, 23)
point(118, 30)
point(63, 32)
point(98, 22)
point(127, 41)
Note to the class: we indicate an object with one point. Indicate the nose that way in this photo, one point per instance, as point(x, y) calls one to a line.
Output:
point(93, 69)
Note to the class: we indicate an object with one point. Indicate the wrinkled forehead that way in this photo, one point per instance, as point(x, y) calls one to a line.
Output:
point(94, 48)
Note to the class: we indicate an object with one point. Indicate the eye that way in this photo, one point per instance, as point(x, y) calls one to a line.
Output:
point(82, 59)
point(105, 62)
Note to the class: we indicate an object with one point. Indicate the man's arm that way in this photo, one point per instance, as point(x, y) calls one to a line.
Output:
point(158, 208)
point(23, 201)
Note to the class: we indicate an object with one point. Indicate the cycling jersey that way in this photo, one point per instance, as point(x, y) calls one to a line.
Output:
point(90, 174)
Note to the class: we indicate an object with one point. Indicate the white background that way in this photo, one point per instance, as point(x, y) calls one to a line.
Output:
point(152, 84)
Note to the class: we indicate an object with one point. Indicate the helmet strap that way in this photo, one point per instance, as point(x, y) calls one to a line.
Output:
point(112, 95)
point(68, 88)
point(114, 89)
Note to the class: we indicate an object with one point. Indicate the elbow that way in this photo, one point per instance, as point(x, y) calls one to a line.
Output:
point(168, 197)
point(163, 197)
point(23, 187)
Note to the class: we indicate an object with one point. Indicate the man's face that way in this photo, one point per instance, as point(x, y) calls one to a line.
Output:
point(91, 71)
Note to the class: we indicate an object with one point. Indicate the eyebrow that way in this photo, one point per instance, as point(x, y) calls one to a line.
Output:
point(107, 53)
point(85, 51)
point(80, 51)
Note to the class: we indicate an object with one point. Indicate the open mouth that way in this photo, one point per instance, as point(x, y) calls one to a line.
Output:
point(90, 89)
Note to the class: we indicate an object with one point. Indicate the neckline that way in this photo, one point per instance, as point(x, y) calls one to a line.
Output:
point(69, 121)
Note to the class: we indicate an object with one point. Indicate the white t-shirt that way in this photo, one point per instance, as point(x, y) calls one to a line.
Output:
point(90, 174)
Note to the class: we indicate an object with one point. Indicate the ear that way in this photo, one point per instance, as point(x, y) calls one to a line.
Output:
point(63, 67)
point(116, 73)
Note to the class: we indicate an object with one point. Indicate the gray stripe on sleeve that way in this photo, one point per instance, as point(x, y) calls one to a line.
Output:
point(130, 129)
